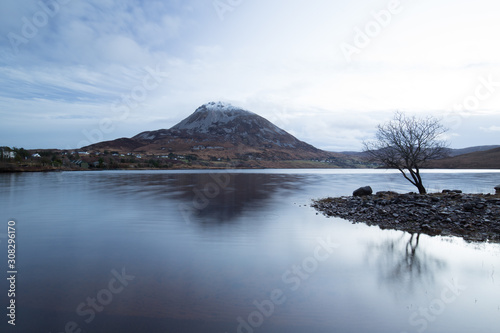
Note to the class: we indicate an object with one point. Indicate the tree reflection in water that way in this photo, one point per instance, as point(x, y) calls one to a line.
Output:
point(404, 266)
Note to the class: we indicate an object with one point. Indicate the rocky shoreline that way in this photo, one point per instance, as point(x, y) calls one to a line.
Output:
point(474, 217)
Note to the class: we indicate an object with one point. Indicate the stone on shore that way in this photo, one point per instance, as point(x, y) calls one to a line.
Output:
point(452, 191)
point(362, 191)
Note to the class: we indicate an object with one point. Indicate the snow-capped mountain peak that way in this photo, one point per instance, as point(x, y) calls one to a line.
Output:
point(218, 106)
point(221, 130)
point(212, 116)
point(224, 123)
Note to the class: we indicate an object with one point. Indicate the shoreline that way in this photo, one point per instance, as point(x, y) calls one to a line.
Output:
point(197, 167)
point(287, 164)
point(473, 217)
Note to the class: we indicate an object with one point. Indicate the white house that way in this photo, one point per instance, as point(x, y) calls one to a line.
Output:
point(7, 153)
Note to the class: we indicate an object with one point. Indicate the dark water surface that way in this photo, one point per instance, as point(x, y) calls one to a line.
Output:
point(235, 251)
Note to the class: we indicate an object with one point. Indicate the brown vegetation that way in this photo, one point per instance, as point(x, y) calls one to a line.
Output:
point(489, 159)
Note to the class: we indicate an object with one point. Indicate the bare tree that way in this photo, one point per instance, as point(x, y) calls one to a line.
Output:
point(407, 143)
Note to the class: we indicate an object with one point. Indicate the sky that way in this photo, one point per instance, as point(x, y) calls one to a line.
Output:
point(76, 72)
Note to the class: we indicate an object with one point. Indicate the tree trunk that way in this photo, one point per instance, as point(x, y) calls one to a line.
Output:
point(421, 188)
point(420, 185)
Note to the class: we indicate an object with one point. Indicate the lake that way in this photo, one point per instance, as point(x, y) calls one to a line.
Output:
point(235, 251)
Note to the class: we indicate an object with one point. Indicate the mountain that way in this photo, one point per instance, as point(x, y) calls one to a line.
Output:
point(481, 159)
point(217, 131)
point(221, 129)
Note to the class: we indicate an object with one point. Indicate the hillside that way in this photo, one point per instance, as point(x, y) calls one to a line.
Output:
point(489, 159)
point(451, 152)
point(461, 151)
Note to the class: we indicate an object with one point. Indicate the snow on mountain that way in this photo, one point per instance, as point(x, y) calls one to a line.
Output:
point(219, 106)
point(218, 118)
point(211, 115)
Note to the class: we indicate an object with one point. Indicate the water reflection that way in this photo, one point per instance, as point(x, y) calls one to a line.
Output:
point(401, 263)
point(204, 198)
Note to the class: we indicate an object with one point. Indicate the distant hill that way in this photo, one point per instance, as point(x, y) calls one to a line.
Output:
point(456, 152)
point(482, 159)
point(219, 131)
point(451, 152)
point(355, 153)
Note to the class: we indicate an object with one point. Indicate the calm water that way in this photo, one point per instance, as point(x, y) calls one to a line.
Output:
point(237, 251)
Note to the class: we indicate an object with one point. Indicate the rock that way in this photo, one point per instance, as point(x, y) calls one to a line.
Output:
point(363, 191)
point(468, 207)
point(452, 191)
point(497, 189)
point(386, 193)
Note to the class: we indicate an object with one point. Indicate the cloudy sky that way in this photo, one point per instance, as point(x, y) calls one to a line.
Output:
point(327, 71)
